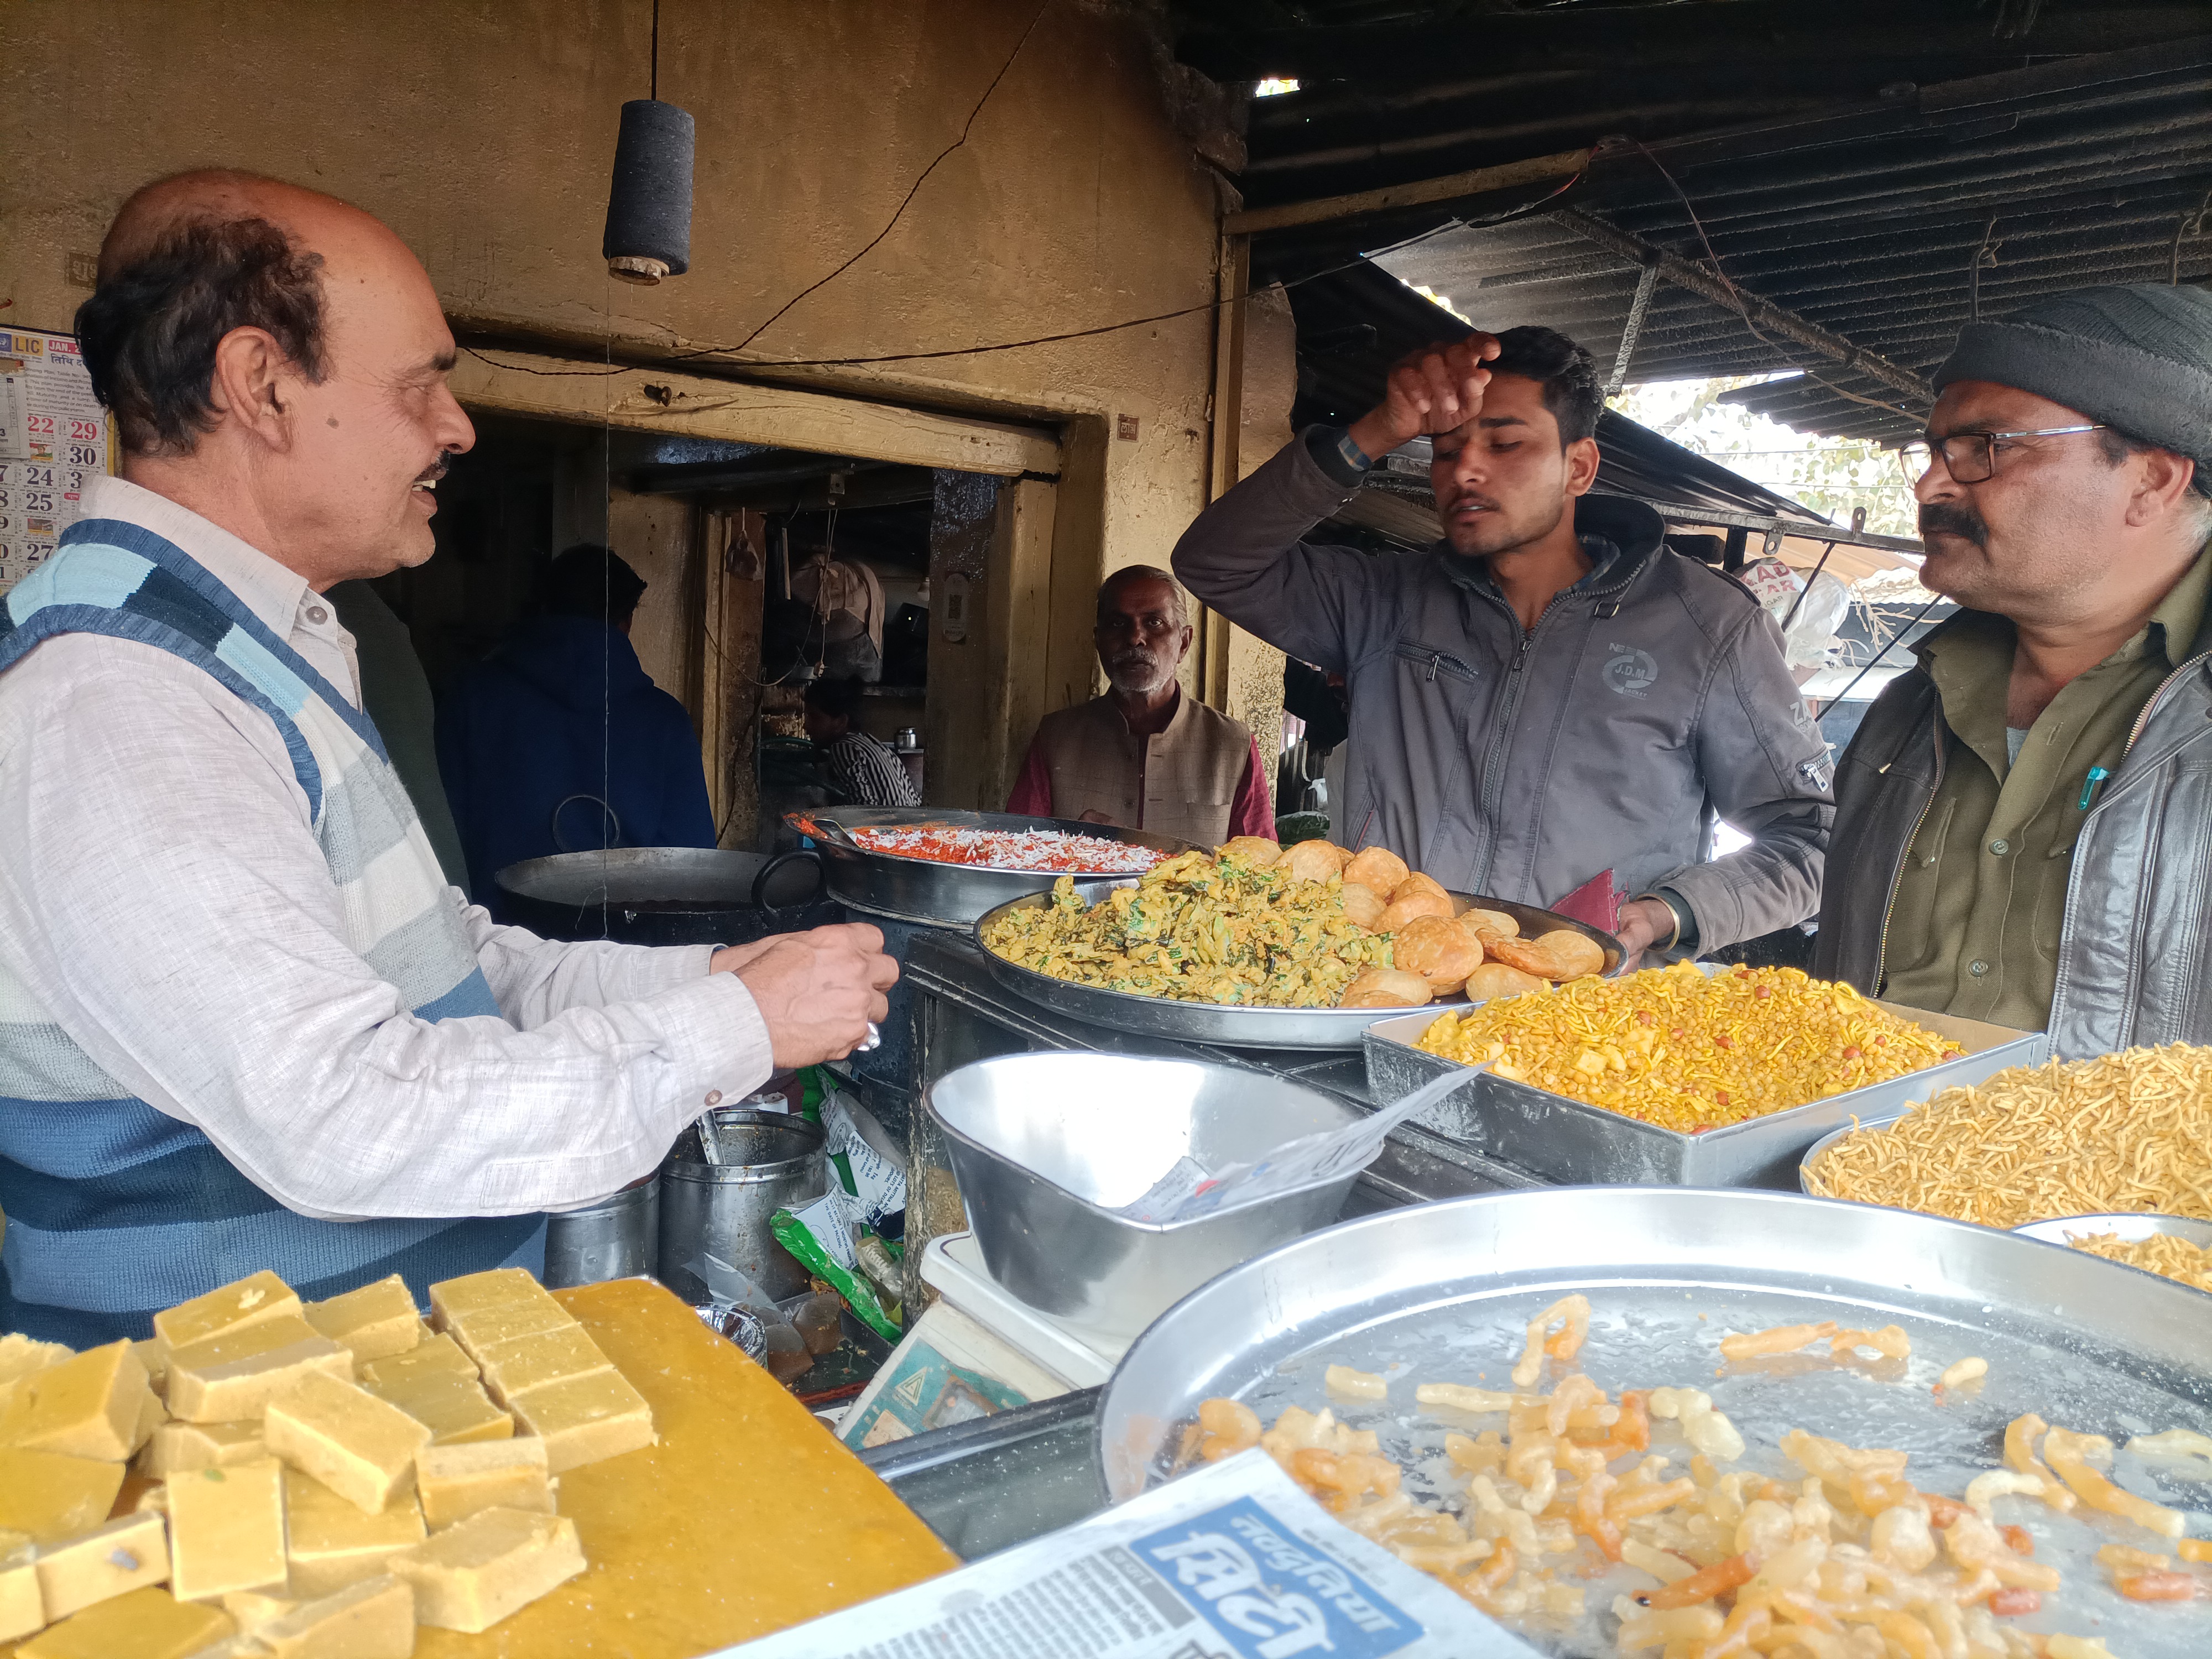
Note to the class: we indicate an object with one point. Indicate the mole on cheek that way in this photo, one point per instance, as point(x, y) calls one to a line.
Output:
point(330, 420)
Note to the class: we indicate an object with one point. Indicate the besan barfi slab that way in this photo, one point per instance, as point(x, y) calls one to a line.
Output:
point(250, 1300)
point(375, 1321)
point(586, 1418)
point(331, 1543)
point(89, 1406)
point(227, 1530)
point(147, 1623)
point(454, 1482)
point(470, 1576)
point(360, 1447)
point(373, 1619)
point(233, 1376)
point(108, 1561)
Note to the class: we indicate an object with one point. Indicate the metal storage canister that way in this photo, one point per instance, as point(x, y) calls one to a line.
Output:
point(769, 1163)
point(617, 1237)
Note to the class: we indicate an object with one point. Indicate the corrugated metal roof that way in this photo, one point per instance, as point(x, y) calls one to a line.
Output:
point(1885, 170)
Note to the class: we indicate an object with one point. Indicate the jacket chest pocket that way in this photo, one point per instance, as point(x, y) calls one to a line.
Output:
point(1913, 928)
point(1432, 665)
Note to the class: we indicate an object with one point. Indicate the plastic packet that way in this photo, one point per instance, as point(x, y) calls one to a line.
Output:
point(876, 1180)
point(821, 1236)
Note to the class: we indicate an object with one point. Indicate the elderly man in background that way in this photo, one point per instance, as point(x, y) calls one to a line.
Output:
point(2024, 821)
point(1144, 756)
point(248, 1024)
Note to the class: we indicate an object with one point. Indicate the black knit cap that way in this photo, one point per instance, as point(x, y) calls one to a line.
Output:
point(2137, 357)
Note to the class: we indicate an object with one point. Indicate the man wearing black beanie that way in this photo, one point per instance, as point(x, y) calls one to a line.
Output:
point(2024, 821)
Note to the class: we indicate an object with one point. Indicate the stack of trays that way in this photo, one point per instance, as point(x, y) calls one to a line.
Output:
point(1572, 1143)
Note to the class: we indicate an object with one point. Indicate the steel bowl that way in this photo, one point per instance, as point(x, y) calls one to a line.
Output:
point(1243, 1027)
point(2132, 1228)
point(925, 890)
point(1047, 1146)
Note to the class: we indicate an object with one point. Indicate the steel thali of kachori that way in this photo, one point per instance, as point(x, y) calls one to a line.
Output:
point(1442, 1292)
point(1229, 1024)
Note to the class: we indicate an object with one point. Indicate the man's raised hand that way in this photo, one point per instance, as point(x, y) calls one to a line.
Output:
point(1433, 390)
point(817, 991)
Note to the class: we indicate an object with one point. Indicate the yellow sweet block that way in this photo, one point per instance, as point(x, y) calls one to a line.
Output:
point(455, 1482)
point(21, 1355)
point(23, 1610)
point(178, 1446)
point(489, 1327)
point(147, 1623)
point(89, 1406)
point(437, 1354)
point(375, 1321)
point(586, 1418)
point(250, 1609)
point(455, 1409)
point(248, 1302)
point(360, 1447)
point(154, 1355)
point(109, 1561)
point(231, 1647)
point(513, 1369)
point(151, 1415)
point(53, 1498)
point(500, 1287)
point(332, 1544)
point(471, 1575)
point(373, 1619)
point(227, 1530)
point(233, 1376)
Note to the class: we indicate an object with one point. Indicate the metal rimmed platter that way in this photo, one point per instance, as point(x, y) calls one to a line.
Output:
point(1442, 1292)
point(926, 890)
point(1224, 1023)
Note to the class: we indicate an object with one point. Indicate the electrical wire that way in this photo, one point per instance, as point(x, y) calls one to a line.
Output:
point(1743, 311)
point(1917, 617)
point(1522, 211)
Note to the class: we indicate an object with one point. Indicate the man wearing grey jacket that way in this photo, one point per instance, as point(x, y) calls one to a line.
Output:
point(1548, 694)
point(2022, 819)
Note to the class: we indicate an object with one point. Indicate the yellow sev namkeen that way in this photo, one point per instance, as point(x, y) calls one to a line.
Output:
point(2124, 1133)
point(1676, 1048)
point(2161, 1253)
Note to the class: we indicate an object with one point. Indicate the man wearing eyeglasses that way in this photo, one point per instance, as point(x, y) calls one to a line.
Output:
point(2024, 821)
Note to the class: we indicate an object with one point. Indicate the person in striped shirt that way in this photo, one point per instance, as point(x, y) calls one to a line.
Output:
point(865, 771)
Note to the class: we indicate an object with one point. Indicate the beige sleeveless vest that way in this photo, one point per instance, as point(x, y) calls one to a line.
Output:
point(1181, 782)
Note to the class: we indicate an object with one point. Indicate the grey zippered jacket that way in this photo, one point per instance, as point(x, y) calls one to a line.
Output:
point(2134, 945)
point(1522, 768)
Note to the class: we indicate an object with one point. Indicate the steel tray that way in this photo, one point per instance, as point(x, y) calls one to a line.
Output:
point(927, 891)
point(1442, 1292)
point(1219, 1022)
point(1570, 1141)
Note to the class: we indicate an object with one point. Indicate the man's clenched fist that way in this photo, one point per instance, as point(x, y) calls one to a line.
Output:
point(816, 991)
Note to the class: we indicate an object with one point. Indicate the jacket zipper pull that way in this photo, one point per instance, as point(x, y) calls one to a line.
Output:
point(1436, 661)
point(1521, 655)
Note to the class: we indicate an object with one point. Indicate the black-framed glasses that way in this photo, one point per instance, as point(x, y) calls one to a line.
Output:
point(1971, 457)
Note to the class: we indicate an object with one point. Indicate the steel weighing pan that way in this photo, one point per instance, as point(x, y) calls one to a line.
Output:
point(665, 895)
point(1443, 1292)
point(2132, 1228)
point(1242, 1027)
point(925, 890)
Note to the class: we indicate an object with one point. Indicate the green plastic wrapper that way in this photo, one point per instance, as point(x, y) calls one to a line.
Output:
point(815, 1255)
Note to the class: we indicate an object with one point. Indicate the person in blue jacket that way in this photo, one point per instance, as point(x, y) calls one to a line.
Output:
point(562, 718)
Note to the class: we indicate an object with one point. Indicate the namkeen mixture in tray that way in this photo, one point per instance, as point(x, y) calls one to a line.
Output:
point(1844, 1557)
point(2176, 1258)
point(1688, 1051)
point(2125, 1134)
point(1311, 926)
point(1011, 849)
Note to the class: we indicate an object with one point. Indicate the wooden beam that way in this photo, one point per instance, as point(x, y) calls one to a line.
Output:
point(1233, 288)
point(735, 411)
point(1418, 193)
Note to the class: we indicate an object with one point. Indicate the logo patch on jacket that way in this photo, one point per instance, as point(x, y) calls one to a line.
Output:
point(1631, 672)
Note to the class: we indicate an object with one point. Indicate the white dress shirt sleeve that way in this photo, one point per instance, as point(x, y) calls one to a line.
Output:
point(164, 892)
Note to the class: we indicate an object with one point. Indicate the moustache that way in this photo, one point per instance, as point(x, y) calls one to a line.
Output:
point(1132, 660)
point(432, 474)
point(1950, 519)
